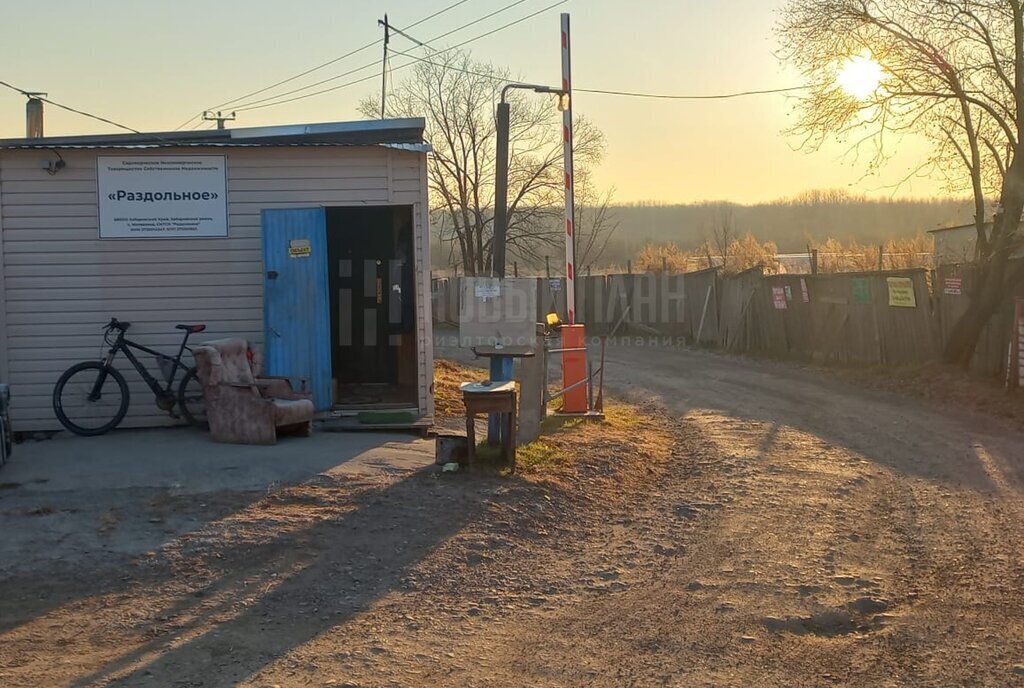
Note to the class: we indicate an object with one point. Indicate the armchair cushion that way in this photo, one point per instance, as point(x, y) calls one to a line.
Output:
point(239, 406)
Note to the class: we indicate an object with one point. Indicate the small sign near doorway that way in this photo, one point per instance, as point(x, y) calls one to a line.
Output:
point(299, 248)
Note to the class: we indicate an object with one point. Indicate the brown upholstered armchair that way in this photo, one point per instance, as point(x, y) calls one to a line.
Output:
point(241, 407)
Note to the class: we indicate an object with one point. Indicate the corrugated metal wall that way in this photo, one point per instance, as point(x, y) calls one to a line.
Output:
point(60, 282)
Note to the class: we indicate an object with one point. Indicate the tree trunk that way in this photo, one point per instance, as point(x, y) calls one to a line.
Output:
point(991, 284)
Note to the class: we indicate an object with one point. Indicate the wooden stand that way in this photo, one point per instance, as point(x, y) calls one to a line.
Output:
point(481, 398)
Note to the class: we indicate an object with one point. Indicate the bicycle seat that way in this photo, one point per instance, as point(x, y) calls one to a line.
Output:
point(192, 329)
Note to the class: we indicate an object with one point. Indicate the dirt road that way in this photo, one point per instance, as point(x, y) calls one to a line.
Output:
point(752, 524)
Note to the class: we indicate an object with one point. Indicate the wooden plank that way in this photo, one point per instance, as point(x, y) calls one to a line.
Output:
point(72, 297)
point(187, 270)
point(106, 280)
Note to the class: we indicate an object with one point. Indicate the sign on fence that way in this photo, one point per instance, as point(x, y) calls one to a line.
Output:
point(861, 289)
point(953, 286)
point(779, 298)
point(901, 292)
point(803, 290)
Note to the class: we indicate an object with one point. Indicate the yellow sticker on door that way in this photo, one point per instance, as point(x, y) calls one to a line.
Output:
point(299, 248)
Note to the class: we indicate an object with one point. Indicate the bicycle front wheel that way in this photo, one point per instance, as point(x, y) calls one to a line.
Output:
point(190, 399)
point(90, 398)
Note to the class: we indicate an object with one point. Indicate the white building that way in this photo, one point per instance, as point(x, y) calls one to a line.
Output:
point(308, 240)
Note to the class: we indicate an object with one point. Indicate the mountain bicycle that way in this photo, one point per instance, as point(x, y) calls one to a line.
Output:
point(91, 397)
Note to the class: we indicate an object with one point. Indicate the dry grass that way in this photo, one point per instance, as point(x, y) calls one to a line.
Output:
point(609, 451)
point(944, 384)
point(448, 375)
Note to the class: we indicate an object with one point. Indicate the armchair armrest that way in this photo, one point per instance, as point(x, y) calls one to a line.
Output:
point(280, 388)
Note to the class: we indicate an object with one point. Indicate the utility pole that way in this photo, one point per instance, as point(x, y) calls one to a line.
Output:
point(219, 118)
point(384, 65)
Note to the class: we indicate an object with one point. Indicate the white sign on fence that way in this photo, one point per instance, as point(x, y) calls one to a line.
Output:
point(162, 196)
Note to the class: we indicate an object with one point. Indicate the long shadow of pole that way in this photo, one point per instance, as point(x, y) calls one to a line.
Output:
point(359, 557)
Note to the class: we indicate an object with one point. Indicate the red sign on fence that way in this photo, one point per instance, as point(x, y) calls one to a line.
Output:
point(953, 286)
point(779, 297)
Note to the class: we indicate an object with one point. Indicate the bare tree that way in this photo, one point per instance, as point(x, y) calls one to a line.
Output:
point(951, 71)
point(721, 236)
point(457, 96)
point(595, 220)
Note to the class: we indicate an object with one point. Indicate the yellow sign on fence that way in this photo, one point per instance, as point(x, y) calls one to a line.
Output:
point(901, 292)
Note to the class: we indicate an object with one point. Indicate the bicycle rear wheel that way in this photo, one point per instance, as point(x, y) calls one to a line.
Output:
point(90, 398)
point(190, 399)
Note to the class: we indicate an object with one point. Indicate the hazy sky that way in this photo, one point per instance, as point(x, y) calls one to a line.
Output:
point(151, 65)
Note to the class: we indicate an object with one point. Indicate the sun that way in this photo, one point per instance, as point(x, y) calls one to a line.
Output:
point(860, 76)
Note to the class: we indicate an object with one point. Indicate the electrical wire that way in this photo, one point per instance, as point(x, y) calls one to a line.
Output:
point(78, 112)
point(321, 66)
point(714, 96)
point(255, 106)
point(369, 65)
point(673, 96)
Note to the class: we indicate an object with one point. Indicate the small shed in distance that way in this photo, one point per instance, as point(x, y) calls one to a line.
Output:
point(309, 240)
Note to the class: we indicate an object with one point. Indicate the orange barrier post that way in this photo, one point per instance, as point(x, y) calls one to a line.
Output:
point(574, 369)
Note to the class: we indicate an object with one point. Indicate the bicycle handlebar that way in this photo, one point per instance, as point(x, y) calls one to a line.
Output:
point(115, 324)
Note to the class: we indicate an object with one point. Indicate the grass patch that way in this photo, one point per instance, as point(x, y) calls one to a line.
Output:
point(539, 456)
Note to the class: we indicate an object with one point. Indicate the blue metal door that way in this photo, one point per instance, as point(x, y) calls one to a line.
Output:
point(295, 311)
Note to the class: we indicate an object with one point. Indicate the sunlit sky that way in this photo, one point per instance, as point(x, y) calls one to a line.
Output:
point(152, 65)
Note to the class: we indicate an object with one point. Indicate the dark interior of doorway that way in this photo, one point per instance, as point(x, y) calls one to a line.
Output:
point(371, 276)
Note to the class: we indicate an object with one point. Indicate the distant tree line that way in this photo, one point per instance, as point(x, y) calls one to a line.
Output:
point(791, 225)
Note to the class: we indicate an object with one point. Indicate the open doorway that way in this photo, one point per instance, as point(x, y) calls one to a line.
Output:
point(371, 277)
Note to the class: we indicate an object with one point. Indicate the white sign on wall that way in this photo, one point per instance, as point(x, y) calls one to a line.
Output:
point(162, 196)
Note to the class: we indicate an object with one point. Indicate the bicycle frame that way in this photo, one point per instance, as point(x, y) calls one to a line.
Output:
point(126, 345)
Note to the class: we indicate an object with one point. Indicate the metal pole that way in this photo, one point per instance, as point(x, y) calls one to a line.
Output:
point(501, 190)
point(570, 216)
point(384, 65)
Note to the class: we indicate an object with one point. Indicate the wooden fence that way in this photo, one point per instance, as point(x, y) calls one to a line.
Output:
point(872, 318)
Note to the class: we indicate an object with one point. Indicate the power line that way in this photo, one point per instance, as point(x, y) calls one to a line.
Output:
point(321, 66)
point(368, 65)
point(672, 96)
point(714, 96)
point(255, 106)
point(78, 112)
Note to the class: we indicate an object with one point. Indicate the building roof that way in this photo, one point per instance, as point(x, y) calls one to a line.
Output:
point(405, 134)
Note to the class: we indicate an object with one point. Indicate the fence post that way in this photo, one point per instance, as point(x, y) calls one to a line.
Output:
point(629, 267)
point(547, 266)
point(515, 268)
point(881, 257)
point(814, 261)
point(664, 265)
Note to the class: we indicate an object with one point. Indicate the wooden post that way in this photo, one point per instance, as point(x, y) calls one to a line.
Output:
point(515, 268)
point(547, 266)
point(881, 257)
point(664, 265)
point(814, 261)
point(629, 267)
point(704, 313)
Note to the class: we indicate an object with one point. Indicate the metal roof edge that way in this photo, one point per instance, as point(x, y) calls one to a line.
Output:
point(368, 132)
